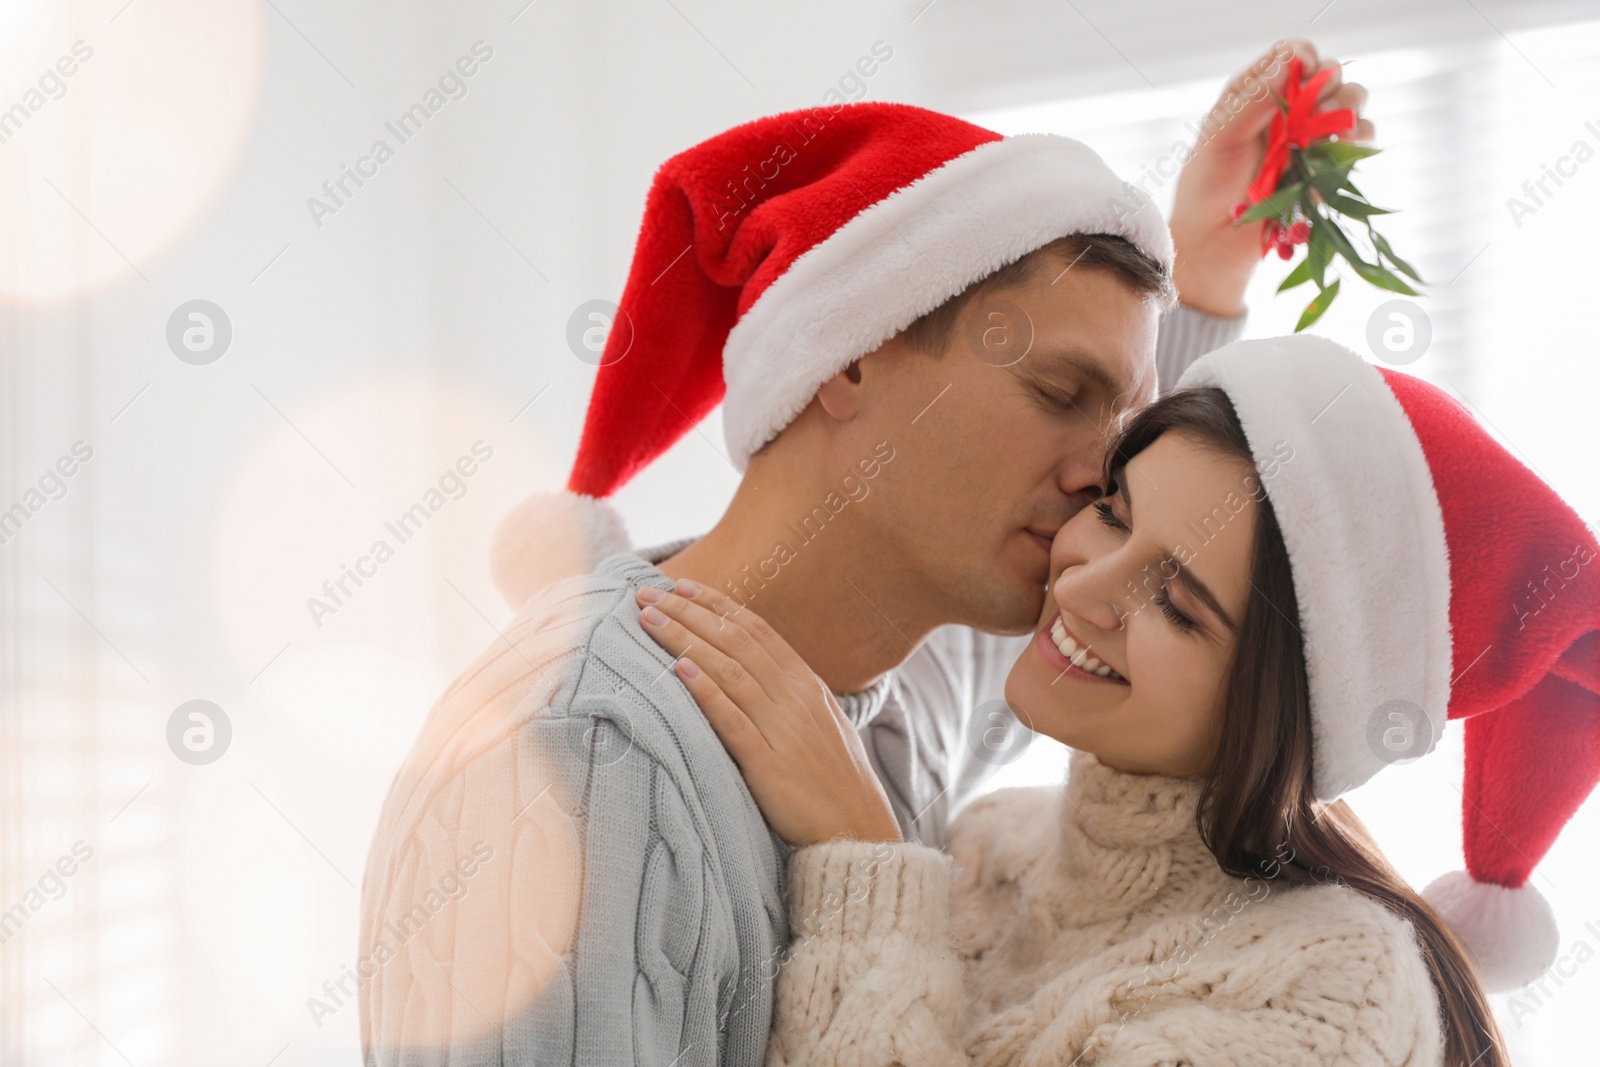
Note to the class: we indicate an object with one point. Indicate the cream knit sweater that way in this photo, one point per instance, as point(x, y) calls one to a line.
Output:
point(1089, 925)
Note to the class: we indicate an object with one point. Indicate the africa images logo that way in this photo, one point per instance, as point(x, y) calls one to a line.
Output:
point(452, 485)
point(452, 86)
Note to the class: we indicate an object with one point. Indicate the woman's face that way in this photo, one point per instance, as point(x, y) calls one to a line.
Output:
point(1152, 581)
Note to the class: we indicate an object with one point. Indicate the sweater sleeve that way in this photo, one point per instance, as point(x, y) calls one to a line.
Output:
point(590, 930)
point(1185, 335)
point(871, 976)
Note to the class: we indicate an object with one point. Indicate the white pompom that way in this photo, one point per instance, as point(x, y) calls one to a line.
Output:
point(1511, 934)
point(551, 536)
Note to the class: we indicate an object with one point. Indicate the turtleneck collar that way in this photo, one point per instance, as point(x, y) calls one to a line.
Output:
point(1129, 841)
point(862, 706)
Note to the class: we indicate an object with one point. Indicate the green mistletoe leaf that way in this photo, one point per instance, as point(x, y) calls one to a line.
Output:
point(1356, 209)
point(1319, 250)
point(1301, 274)
point(1383, 278)
point(1337, 152)
point(1318, 188)
point(1318, 305)
point(1388, 253)
point(1277, 206)
point(1340, 243)
point(1328, 182)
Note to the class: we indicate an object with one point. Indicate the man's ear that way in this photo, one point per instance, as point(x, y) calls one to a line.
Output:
point(841, 395)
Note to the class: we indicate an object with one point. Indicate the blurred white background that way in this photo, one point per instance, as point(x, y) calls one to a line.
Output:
point(374, 345)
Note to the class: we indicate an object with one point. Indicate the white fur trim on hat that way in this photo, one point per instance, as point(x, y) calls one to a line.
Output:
point(1365, 536)
point(550, 536)
point(1511, 934)
point(906, 255)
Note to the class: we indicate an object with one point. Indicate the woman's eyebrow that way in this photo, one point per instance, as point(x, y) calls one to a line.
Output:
point(1186, 575)
point(1193, 583)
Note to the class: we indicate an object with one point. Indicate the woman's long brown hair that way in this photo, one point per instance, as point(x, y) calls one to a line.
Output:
point(1257, 812)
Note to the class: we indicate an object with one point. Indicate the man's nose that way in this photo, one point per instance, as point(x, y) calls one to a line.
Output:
point(1082, 469)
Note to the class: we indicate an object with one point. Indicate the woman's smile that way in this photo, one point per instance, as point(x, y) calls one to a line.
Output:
point(1074, 658)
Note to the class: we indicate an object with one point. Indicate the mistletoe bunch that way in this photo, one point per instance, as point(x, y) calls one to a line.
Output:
point(1302, 191)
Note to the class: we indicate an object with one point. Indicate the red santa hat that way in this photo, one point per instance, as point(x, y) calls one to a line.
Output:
point(774, 255)
point(1438, 578)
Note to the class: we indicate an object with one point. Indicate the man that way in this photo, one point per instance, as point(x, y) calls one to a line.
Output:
point(922, 334)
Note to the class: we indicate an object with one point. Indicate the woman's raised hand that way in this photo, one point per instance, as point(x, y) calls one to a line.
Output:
point(800, 756)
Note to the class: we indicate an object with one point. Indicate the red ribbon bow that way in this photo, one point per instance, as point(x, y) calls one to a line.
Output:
point(1295, 125)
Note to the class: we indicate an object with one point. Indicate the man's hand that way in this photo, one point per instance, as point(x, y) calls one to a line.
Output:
point(1215, 257)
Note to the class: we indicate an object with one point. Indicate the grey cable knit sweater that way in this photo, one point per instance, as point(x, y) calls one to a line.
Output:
point(569, 767)
point(568, 867)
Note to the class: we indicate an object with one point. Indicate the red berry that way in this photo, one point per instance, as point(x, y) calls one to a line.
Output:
point(1285, 250)
point(1239, 209)
point(1300, 232)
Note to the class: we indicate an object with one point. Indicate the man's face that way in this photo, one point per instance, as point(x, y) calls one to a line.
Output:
point(999, 440)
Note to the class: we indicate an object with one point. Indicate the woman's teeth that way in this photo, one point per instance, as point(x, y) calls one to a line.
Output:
point(1079, 655)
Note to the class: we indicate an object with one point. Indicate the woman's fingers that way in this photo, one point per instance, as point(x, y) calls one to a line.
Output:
point(663, 629)
point(1338, 93)
point(731, 676)
point(804, 765)
point(1352, 95)
point(1335, 80)
point(732, 726)
point(759, 629)
point(730, 630)
point(1296, 48)
point(795, 683)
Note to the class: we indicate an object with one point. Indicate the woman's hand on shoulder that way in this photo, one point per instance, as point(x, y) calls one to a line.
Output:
point(799, 754)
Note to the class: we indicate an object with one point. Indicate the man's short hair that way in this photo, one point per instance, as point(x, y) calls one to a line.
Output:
point(1078, 251)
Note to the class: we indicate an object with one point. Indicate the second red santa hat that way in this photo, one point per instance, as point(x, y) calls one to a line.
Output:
point(1437, 579)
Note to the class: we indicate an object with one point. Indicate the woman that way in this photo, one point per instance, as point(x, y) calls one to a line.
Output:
point(1232, 637)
